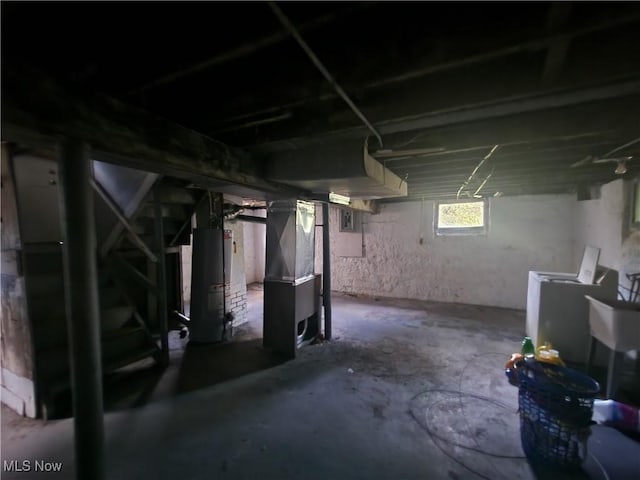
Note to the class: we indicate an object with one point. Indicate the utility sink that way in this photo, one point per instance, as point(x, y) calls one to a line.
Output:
point(616, 323)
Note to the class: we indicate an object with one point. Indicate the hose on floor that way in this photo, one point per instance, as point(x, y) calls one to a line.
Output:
point(435, 438)
point(438, 440)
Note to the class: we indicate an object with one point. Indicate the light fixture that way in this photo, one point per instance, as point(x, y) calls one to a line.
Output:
point(337, 198)
point(621, 168)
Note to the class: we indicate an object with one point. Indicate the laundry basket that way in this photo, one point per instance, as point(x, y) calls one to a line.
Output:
point(556, 404)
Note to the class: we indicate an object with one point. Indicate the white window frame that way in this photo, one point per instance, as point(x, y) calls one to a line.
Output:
point(468, 231)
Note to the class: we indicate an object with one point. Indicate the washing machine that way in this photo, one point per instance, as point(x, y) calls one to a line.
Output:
point(557, 310)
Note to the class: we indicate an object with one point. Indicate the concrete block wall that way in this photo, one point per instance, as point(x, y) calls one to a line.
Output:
point(237, 303)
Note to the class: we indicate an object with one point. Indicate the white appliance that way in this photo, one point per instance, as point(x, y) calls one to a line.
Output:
point(557, 310)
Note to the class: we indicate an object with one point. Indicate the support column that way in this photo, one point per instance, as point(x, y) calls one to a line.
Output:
point(83, 319)
point(161, 276)
point(326, 271)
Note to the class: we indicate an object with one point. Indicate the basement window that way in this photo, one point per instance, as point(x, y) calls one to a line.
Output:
point(461, 218)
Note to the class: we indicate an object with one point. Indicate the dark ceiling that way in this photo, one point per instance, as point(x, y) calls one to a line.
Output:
point(442, 83)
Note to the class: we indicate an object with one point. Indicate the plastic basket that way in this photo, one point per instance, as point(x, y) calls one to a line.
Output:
point(556, 405)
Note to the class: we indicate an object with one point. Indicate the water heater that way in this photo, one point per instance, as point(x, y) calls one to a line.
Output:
point(207, 286)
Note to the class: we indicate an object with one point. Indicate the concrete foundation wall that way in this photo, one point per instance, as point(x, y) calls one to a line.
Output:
point(599, 223)
point(260, 235)
point(248, 231)
point(255, 236)
point(16, 358)
point(525, 233)
point(186, 252)
point(606, 223)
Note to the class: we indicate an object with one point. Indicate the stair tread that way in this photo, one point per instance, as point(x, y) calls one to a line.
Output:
point(44, 284)
point(171, 194)
point(110, 297)
point(146, 225)
point(115, 317)
point(175, 211)
point(106, 335)
point(135, 356)
point(61, 379)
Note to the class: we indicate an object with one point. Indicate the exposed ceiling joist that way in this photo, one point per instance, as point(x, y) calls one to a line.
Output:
point(243, 50)
point(502, 108)
point(38, 109)
point(439, 97)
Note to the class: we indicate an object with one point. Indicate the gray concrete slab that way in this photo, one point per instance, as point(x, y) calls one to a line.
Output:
point(407, 390)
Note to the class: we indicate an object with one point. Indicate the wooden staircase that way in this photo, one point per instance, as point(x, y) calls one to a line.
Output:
point(137, 231)
point(124, 337)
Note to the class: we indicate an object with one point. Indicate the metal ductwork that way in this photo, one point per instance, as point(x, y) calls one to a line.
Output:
point(290, 249)
point(345, 168)
point(292, 314)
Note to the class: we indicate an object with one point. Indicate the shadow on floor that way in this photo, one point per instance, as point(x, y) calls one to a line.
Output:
point(200, 366)
point(129, 387)
point(628, 390)
point(546, 472)
point(204, 365)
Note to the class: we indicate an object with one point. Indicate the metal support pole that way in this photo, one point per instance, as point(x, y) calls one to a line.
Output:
point(326, 272)
point(161, 277)
point(83, 320)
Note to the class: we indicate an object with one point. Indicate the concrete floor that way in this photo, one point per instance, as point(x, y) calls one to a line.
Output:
point(407, 390)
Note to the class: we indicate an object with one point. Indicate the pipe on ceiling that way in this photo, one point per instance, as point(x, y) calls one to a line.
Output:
point(238, 52)
point(527, 46)
point(316, 61)
point(251, 219)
